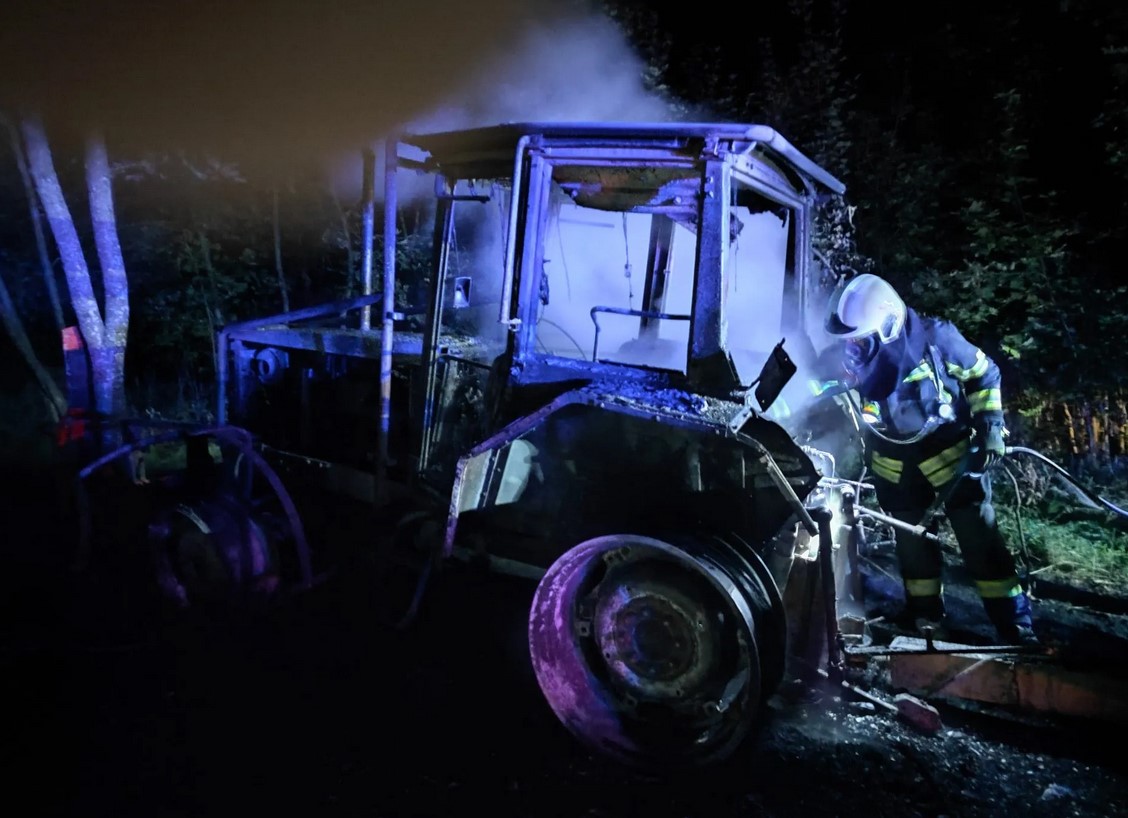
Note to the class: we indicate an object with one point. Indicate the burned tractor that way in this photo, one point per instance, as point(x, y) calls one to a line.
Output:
point(584, 387)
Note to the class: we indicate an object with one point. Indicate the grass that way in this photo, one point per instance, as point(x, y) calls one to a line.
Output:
point(1079, 552)
point(1059, 538)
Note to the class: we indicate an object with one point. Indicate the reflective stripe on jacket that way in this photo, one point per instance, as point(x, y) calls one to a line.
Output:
point(954, 381)
point(968, 381)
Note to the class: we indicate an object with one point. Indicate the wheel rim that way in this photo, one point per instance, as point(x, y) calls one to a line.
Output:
point(647, 650)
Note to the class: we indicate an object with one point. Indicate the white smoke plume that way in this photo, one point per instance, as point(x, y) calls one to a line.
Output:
point(579, 69)
point(574, 68)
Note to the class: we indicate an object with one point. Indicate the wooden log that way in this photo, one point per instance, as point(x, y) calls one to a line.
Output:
point(1025, 683)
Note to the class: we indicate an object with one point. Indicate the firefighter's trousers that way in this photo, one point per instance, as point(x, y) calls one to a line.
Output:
point(972, 516)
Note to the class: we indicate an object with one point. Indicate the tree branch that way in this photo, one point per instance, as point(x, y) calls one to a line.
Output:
point(10, 317)
point(47, 268)
point(282, 288)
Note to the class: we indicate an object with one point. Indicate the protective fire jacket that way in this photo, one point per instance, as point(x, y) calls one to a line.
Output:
point(945, 387)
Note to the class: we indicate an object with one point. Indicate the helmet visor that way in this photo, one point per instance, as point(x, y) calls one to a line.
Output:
point(858, 352)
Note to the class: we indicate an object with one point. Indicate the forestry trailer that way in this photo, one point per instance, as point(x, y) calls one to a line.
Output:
point(586, 381)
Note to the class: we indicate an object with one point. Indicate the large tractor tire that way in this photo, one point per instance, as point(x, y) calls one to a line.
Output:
point(658, 652)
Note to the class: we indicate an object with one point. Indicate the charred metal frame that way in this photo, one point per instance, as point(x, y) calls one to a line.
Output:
point(754, 154)
point(606, 401)
point(682, 146)
point(756, 157)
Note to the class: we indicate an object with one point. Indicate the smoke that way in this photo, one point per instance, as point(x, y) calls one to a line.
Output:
point(575, 68)
point(272, 83)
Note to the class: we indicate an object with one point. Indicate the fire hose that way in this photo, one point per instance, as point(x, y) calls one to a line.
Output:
point(1094, 499)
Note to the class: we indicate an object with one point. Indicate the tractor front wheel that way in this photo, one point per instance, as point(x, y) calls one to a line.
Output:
point(658, 652)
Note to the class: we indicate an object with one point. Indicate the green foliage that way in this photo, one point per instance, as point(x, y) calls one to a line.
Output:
point(199, 241)
point(1019, 287)
point(901, 215)
point(834, 243)
point(413, 266)
point(212, 286)
point(1111, 120)
point(985, 202)
point(809, 97)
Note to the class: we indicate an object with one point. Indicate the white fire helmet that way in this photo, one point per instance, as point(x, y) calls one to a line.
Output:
point(863, 306)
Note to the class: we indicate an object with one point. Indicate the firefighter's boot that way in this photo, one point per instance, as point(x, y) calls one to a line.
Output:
point(1013, 619)
point(924, 614)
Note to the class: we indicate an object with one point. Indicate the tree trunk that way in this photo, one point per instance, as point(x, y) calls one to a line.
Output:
point(47, 269)
point(12, 323)
point(350, 254)
point(368, 222)
point(105, 340)
point(215, 317)
point(109, 388)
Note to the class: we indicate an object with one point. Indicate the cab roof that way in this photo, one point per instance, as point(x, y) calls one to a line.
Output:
point(500, 142)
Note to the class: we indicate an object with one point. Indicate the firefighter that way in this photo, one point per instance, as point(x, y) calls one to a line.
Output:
point(933, 413)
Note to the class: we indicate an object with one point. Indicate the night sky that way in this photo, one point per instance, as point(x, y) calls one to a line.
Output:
point(266, 82)
point(276, 82)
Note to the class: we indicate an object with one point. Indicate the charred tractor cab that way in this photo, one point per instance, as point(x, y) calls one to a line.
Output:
point(582, 385)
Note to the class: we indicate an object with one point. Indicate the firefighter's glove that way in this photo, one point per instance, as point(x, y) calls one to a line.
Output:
point(988, 447)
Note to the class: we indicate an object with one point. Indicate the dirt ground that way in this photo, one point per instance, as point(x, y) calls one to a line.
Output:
point(319, 709)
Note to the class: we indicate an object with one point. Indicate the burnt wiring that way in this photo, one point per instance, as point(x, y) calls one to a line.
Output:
point(1091, 498)
point(562, 331)
point(560, 242)
point(1023, 550)
point(412, 610)
point(408, 525)
point(568, 286)
point(829, 469)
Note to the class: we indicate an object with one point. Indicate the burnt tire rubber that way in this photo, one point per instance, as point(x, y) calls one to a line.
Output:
point(658, 652)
